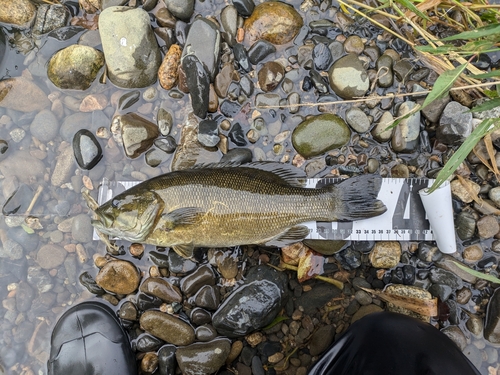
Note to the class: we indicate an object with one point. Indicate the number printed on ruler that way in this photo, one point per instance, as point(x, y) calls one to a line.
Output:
point(404, 219)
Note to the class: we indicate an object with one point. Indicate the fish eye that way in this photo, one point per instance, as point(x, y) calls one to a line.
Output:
point(115, 203)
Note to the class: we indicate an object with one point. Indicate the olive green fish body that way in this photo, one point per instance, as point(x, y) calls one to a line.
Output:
point(229, 206)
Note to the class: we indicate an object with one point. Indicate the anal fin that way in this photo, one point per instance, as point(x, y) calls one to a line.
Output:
point(294, 234)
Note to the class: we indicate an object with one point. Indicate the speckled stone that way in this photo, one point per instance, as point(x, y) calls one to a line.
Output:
point(385, 254)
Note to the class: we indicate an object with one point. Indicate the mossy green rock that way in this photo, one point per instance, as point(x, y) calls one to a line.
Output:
point(319, 134)
point(75, 67)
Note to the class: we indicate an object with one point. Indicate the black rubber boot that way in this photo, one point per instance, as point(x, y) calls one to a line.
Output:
point(88, 339)
point(393, 344)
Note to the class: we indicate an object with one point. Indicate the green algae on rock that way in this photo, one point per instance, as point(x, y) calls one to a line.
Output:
point(75, 67)
point(319, 134)
point(273, 21)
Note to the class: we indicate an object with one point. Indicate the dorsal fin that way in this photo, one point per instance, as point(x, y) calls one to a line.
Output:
point(283, 174)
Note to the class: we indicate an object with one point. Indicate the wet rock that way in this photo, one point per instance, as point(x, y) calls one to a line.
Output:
point(19, 201)
point(244, 7)
point(440, 291)
point(162, 289)
point(487, 226)
point(24, 297)
point(270, 75)
point(260, 50)
point(167, 327)
point(130, 48)
point(385, 254)
point(455, 124)
point(432, 112)
point(23, 166)
point(229, 108)
point(86, 149)
point(89, 282)
point(208, 133)
point(198, 83)
point(17, 13)
point(251, 306)
point(166, 144)
point(473, 253)
point(379, 132)
point(406, 134)
point(428, 253)
point(182, 9)
point(205, 333)
point(203, 358)
point(166, 360)
point(357, 120)
point(441, 276)
point(200, 316)
point(460, 192)
point(322, 57)
point(50, 17)
point(321, 340)
point(449, 263)
point(492, 320)
point(456, 335)
point(273, 21)
point(64, 166)
point(465, 223)
point(348, 78)
point(169, 68)
point(138, 134)
point(494, 195)
point(155, 157)
point(204, 275)
point(165, 121)
point(384, 71)
point(207, 297)
point(203, 41)
point(224, 78)
point(118, 276)
point(365, 310)
point(81, 228)
point(319, 134)
point(146, 343)
point(229, 21)
point(237, 135)
point(50, 256)
point(237, 155)
point(190, 152)
point(474, 355)
point(241, 57)
point(22, 94)
point(75, 67)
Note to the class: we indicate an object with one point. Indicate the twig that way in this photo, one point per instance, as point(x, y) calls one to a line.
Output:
point(33, 201)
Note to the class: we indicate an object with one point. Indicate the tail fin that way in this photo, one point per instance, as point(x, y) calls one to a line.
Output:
point(357, 198)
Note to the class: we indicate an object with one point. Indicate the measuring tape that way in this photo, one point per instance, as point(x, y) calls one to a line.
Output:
point(404, 220)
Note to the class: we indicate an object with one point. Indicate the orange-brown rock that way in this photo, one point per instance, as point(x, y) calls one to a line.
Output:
point(169, 68)
point(273, 21)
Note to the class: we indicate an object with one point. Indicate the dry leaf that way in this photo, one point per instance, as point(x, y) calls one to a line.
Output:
point(427, 307)
point(310, 265)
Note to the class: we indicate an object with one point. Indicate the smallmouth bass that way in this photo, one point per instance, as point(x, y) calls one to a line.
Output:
point(222, 206)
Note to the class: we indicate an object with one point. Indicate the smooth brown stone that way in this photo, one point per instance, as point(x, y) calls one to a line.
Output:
point(167, 327)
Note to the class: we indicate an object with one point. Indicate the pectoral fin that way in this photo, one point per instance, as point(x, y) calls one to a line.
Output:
point(181, 216)
point(184, 250)
point(291, 235)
